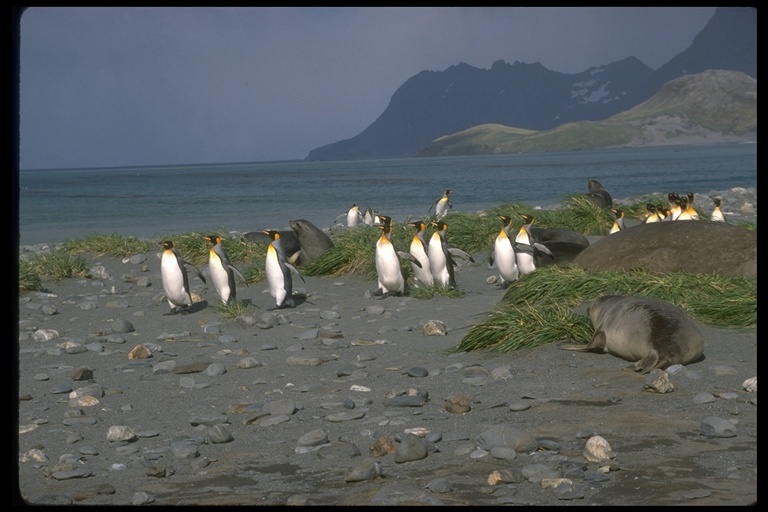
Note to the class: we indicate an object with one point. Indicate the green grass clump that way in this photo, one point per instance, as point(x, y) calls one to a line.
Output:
point(107, 245)
point(430, 292)
point(537, 309)
point(29, 278)
point(57, 264)
point(234, 308)
point(354, 252)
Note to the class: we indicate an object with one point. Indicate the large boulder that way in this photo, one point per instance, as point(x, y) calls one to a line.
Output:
point(693, 246)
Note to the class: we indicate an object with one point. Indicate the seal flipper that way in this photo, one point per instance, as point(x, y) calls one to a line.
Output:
point(648, 363)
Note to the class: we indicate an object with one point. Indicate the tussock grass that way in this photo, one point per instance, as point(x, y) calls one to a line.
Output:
point(234, 308)
point(57, 264)
point(354, 252)
point(430, 292)
point(108, 245)
point(29, 278)
point(537, 309)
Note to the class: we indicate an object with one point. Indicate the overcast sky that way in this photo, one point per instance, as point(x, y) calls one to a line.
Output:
point(105, 87)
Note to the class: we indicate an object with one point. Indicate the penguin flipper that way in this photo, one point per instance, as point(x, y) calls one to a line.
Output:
point(197, 270)
point(339, 217)
point(294, 270)
point(410, 257)
point(543, 248)
point(234, 269)
point(461, 254)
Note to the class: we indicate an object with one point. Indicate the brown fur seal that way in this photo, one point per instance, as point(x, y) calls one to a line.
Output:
point(652, 332)
point(598, 194)
point(313, 241)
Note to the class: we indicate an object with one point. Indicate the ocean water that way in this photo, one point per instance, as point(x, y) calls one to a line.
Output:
point(151, 202)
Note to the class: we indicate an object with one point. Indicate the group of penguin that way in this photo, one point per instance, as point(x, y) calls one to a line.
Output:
point(680, 208)
point(175, 279)
point(370, 217)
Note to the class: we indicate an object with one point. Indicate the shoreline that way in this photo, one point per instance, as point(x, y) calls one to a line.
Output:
point(738, 204)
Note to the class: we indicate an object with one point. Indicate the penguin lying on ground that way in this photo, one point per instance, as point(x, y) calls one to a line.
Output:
point(279, 271)
point(222, 270)
point(175, 280)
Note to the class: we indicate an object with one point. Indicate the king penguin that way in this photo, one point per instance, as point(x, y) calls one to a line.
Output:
point(685, 213)
point(618, 222)
point(717, 214)
point(440, 259)
point(503, 256)
point(528, 251)
point(652, 214)
point(279, 271)
point(353, 215)
point(175, 279)
point(418, 250)
point(442, 205)
point(390, 275)
point(674, 205)
point(222, 270)
point(690, 209)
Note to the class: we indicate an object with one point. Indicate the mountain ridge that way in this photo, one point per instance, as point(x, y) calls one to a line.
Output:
point(528, 96)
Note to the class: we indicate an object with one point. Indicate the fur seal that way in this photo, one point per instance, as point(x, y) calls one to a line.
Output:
point(598, 194)
point(312, 241)
point(652, 332)
point(288, 239)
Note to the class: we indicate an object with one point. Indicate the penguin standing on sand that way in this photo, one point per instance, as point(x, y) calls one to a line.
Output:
point(440, 259)
point(175, 280)
point(717, 214)
point(618, 222)
point(503, 256)
point(442, 206)
point(418, 250)
point(390, 275)
point(222, 270)
point(279, 271)
point(528, 251)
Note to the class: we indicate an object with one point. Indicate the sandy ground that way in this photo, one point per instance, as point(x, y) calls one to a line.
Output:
point(661, 454)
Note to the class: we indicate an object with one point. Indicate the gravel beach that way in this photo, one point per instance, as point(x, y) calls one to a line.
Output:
point(349, 399)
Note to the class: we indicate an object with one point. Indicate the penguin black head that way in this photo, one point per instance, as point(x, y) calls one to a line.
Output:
point(418, 224)
point(440, 225)
point(618, 213)
point(718, 202)
point(690, 197)
point(651, 208)
point(214, 239)
point(167, 244)
point(527, 219)
point(271, 233)
point(673, 197)
point(505, 219)
point(447, 191)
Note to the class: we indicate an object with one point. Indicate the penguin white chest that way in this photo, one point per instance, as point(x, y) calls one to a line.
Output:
point(423, 273)
point(219, 275)
point(275, 276)
point(174, 281)
point(438, 262)
point(388, 267)
point(505, 258)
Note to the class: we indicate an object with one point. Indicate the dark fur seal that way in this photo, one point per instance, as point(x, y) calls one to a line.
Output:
point(313, 241)
point(652, 332)
point(598, 194)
